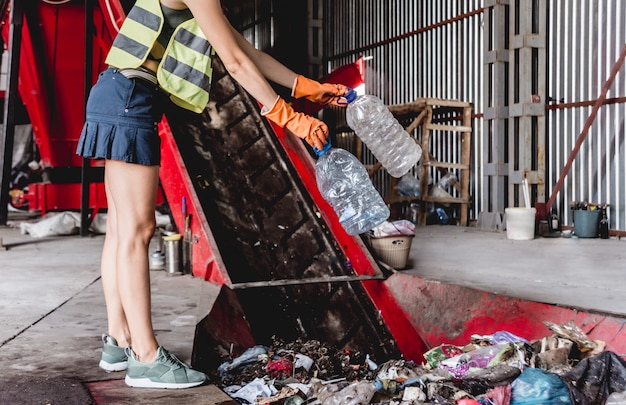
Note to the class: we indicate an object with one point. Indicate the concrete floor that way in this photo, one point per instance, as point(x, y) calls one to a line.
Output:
point(584, 273)
point(52, 315)
point(52, 310)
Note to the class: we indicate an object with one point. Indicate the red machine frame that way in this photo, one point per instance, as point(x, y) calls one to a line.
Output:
point(58, 117)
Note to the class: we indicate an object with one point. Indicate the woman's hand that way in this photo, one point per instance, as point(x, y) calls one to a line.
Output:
point(312, 130)
point(321, 93)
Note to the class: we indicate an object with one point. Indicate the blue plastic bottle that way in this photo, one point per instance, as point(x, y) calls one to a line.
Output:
point(443, 217)
point(345, 185)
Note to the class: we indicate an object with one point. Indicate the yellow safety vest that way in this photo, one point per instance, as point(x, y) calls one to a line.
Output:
point(184, 71)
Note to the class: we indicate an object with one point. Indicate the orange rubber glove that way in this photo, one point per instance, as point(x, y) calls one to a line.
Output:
point(321, 93)
point(312, 130)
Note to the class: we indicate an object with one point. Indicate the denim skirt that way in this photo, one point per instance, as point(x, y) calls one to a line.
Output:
point(121, 120)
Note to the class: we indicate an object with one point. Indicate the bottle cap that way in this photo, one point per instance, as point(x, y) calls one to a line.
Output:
point(351, 96)
point(326, 148)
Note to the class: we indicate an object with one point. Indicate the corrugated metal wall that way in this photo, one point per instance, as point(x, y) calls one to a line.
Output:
point(413, 49)
point(255, 20)
point(435, 49)
point(585, 40)
point(423, 48)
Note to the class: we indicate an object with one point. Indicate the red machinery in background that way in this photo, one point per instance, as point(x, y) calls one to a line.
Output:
point(56, 67)
point(51, 67)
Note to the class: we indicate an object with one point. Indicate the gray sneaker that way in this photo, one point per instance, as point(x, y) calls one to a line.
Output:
point(113, 357)
point(166, 371)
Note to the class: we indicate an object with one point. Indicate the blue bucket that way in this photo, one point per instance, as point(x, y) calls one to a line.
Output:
point(586, 223)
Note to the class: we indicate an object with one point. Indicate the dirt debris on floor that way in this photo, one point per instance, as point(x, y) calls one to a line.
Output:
point(564, 367)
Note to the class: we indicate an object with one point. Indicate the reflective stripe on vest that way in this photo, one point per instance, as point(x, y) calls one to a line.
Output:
point(144, 21)
point(185, 70)
point(188, 82)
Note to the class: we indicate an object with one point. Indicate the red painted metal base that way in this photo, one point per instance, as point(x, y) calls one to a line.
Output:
point(445, 313)
point(206, 261)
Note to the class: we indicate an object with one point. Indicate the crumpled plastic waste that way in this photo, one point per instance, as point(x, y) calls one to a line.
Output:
point(482, 380)
point(370, 364)
point(497, 337)
point(392, 374)
point(322, 390)
point(279, 368)
point(552, 354)
point(497, 369)
point(445, 390)
point(538, 387)
point(616, 398)
point(572, 332)
point(408, 185)
point(357, 393)
point(442, 352)
point(413, 394)
point(257, 388)
point(467, 401)
point(250, 356)
point(68, 223)
point(53, 224)
point(399, 227)
point(303, 361)
point(460, 366)
point(500, 395)
point(293, 395)
point(606, 370)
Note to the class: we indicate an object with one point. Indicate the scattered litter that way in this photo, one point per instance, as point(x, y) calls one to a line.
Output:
point(492, 369)
point(68, 223)
point(575, 334)
point(256, 388)
point(400, 227)
point(596, 378)
point(64, 223)
point(408, 186)
point(536, 386)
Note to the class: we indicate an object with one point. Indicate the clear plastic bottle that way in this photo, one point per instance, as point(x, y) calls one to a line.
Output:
point(345, 185)
point(372, 121)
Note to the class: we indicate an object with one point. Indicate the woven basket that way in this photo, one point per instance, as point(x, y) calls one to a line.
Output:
point(393, 250)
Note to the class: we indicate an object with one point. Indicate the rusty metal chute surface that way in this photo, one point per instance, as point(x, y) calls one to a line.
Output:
point(266, 229)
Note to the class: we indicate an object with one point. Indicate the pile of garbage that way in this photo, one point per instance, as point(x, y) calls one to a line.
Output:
point(564, 368)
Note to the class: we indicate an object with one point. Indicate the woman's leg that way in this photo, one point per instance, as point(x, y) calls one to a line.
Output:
point(131, 192)
point(117, 324)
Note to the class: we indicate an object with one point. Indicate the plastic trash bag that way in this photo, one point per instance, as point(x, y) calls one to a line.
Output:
point(408, 186)
point(593, 379)
point(64, 223)
point(399, 227)
point(538, 387)
point(498, 337)
point(357, 393)
point(482, 380)
point(617, 398)
point(250, 356)
point(479, 358)
point(442, 352)
point(250, 392)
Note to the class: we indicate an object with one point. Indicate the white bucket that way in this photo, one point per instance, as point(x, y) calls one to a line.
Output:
point(520, 223)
